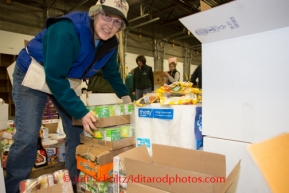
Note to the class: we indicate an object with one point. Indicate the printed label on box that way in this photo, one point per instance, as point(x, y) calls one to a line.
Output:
point(145, 141)
point(156, 113)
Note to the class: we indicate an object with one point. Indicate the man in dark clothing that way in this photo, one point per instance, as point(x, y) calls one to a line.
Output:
point(143, 78)
point(197, 74)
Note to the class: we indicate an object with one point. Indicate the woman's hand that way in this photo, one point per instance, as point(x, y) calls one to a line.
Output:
point(88, 122)
point(126, 99)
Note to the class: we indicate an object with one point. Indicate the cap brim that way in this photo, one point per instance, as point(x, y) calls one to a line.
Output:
point(113, 11)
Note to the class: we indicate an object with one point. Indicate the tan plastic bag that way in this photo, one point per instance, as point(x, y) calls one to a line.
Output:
point(35, 79)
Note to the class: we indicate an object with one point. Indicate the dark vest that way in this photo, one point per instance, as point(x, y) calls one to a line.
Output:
point(172, 74)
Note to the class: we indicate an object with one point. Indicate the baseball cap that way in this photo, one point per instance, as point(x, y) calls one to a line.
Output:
point(115, 7)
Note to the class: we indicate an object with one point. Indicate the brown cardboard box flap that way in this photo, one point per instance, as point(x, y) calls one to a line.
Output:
point(189, 159)
point(140, 188)
point(178, 162)
point(112, 121)
point(231, 177)
point(108, 145)
point(107, 122)
point(192, 160)
point(103, 156)
point(138, 153)
point(52, 127)
point(162, 177)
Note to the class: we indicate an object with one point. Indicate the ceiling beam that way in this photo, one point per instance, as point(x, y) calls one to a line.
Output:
point(77, 5)
point(144, 23)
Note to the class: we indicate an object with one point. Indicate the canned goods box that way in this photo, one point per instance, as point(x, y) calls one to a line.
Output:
point(108, 145)
point(97, 162)
point(107, 121)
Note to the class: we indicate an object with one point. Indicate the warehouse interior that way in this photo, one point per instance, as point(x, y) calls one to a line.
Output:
point(155, 29)
point(234, 129)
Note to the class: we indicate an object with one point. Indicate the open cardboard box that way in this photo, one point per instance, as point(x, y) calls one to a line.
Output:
point(108, 145)
point(104, 166)
point(171, 168)
point(108, 121)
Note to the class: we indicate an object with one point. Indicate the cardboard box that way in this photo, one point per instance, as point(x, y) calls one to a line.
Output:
point(107, 145)
point(55, 188)
point(3, 125)
point(10, 70)
point(52, 127)
point(100, 172)
point(249, 179)
point(4, 112)
point(175, 167)
point(62, 179)
point(271, 156)
point(90, 99)
point(108, 121)
point(235, 38)
point(104, 166)
point(159, 78)
point(36, 172)
point(49, 121)
point(119, 173)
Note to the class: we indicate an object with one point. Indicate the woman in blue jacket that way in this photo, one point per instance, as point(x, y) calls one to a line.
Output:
point(75, 46)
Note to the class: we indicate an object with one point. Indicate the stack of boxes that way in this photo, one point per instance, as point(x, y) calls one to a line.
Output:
point(95, 154)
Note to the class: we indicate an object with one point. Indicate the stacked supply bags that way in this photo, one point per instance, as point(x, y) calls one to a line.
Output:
point(95, 155)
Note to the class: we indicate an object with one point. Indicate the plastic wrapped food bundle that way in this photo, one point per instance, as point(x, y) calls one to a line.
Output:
point(179, 93)
point(147, 99)
point(93, 185)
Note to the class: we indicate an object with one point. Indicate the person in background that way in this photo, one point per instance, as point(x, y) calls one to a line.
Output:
point(97, 84)
point(197, 74)
point(75, 45)
point(172, 75)
point(143, 78)
point(129, 84)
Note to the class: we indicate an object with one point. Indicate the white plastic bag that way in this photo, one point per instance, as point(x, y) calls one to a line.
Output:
point(35, 79)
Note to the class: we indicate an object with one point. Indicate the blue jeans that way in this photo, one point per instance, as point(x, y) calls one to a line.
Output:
point(139, 93)
point(29, 106)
